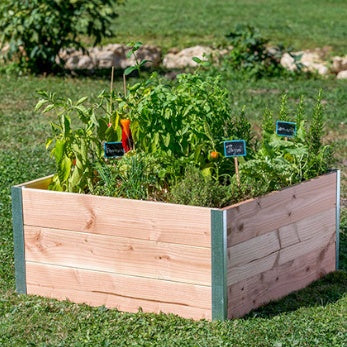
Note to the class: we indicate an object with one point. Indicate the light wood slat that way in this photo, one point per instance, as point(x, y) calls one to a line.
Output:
point(145, 220)
point(307, 228)
point(120, 303)
point(280, 281)
point(288, 235)
point(248, 260)
point(40, 183)
point(132, 290)
point(253, 249)
point(119, 255)
point(275, 210)
point(321, 238)
point(243, 271)
point(324, 221)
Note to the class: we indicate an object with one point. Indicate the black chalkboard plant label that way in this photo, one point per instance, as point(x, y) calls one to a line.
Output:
point(235, 148)
point(287, 129)
point(113, 149)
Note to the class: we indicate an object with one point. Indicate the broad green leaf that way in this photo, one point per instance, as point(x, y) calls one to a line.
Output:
point(59, 150)
point(81, 101)
point(129, 70)
point(65, 168)
point(197, 60)
point(48, 108)
point(167, 140)
point(40, 104)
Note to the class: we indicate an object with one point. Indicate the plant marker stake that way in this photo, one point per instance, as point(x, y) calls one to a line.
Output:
point(111, 88)
point(235, 148)
point(112, 75)
point(124, 85)
point(236, 162)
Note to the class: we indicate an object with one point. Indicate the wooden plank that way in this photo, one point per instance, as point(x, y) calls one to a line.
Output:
point(321, 238)
point(275, 210)
point(18, 238)
point(275, 283)
point(40, 183)
point(126, 293)
point(122, 304)
point(253, 249)
point(264, 252)
point(188, 225)
point(120, 255)
point(307, 228)
point(288, 235)
point(243, 271)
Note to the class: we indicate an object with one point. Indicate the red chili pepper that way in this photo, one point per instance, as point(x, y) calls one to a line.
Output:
point(127, 139)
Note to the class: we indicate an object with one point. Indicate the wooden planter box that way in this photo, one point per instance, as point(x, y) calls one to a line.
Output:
point(192, 261)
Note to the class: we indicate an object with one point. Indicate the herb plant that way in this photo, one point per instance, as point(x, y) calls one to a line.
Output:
point(178, 129)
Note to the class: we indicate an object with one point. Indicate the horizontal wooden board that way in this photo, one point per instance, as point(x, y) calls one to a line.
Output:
point(265, 252)
point(275, 210)
point(275, 283)
point(144, 220)
point(253, 249)
point(320, 239)
point(127, 293)
point(41, 183)
point(120, 255)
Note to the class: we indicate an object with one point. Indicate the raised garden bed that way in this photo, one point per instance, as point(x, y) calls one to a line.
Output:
point(196, 262)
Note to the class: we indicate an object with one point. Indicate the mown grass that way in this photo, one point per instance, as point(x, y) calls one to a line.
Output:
point(315, 316)
point(180, 23)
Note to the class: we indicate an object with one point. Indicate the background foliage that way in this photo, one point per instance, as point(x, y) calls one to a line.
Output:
point(37, 30)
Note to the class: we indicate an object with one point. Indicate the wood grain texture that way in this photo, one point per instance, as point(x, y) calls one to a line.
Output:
point(253, 249)
point(120, 255)
point(267, 251)
point(126, 293)
point(187, 225)
point(279, 281)
point(259, 216)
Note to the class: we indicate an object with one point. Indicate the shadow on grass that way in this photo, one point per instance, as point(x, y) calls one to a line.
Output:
point(320, 293)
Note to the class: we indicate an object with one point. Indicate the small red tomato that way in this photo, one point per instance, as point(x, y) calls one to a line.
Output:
point(214, 155)
point(109, 125)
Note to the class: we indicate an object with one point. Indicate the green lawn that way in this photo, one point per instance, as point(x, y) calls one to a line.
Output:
point(315, 316)
point(181, 23)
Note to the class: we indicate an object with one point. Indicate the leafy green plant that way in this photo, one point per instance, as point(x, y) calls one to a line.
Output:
point(250, 54)
point(37, 30)
point(134, 47)
point(75, 149)
point(196, 189)
point(185, 120)
point(279, 163)
point(133, 176)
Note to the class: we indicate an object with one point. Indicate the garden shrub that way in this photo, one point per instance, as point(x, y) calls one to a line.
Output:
point(37, 30)
point(250, 55)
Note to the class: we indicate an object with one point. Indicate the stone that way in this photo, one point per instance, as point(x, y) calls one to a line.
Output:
point(342, 75)
point(311, 61)
point(339, 64)
point(72, 62)
point(287, 61)
point(184, 58)
point(105, 59)
point(85, 63)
